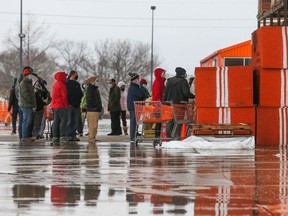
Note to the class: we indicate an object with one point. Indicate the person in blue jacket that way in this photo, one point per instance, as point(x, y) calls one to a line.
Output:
point(135, 93)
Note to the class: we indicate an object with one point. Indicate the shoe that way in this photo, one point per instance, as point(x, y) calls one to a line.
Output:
point(80, 135)
point(13, 133)
point(33, 138)
point(86, 134)
point(74, 139)
point(63, 140)
point(110, 134)
point(27, 139)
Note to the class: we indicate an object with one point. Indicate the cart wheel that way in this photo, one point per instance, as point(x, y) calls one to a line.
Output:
point(136, 142)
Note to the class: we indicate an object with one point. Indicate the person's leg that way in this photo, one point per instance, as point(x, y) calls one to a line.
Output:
point(63, 123)
point(80, 125)
point(112, 117)
point(132, 125)
point(43, 125)
point(69, 121)
point(56, 125)
point(14, 120)
point(118, 129)
point(26, 122)
point(20, 123)
point(77, 121)
point(37, 123)
point(91, 126)
point(124, 122)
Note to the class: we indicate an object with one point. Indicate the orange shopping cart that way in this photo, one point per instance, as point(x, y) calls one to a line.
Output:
point(150, 112)
point(183, 115)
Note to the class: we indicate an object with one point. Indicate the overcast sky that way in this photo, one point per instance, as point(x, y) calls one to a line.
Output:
point(185, 31)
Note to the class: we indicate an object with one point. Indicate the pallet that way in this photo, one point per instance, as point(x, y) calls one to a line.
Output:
point(223, 130)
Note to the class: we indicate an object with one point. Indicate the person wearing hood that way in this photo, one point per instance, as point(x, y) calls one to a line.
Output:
point(94, 106)
point(158, 88)
point(123, 102)
point(177, 91)
point(27, 104)
point(59, 105)
point(158, 85)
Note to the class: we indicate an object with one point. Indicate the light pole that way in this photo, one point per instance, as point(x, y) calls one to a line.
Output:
point(152, 39)
point(21, 35)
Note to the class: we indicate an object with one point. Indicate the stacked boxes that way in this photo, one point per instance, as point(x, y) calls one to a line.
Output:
point(225, 95)
point(269, 58)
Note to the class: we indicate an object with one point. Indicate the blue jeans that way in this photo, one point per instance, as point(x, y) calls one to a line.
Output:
point(25, 126)
point(132, 125)
point(73, 121)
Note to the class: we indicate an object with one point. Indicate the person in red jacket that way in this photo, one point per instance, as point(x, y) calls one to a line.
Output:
point(59, 105)
point(158, 85)
point(158, 88)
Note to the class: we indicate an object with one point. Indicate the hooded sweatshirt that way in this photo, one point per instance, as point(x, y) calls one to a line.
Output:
point(59, 91)
point(158, 85)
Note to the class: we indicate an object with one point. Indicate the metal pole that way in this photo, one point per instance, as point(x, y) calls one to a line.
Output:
point(152, 40)
point(21, 37)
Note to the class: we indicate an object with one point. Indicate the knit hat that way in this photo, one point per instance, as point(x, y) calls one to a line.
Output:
point(121, 83)
point(133, 76)
point(143, 81)
point(180, 71)
point(91, 80)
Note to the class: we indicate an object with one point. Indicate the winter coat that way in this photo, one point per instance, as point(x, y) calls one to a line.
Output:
point(177, 90)
point(158, 85)
point(114, 99)
point(135, 93)
point(146, 92)
point(59, 91)
point(40, 96)
point(123, 100)
point(26, 94)
point(93, 99)
point(74, 93)
point(13, 101)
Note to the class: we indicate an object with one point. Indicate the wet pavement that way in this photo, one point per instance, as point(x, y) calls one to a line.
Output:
point(116, 178)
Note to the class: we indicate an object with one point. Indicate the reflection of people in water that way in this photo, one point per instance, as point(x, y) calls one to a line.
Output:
point(92, 191)
point(66, 167)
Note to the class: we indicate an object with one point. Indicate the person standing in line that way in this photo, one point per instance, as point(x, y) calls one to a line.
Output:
point(114, 107)
point(94, 107)
point(123, 101)
point(143, 85)
point(47, 102)
point(83, 111)
point(135, 93)
point(75, 94)
point(177, 90)
point(27, 104)
point(59, 105)
point(158, 88)
point(13, 104)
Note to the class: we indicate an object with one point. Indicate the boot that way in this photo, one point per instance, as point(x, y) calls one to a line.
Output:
point(125, 129)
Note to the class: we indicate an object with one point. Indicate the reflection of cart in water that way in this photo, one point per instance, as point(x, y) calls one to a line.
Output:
point(156, 112)
point(150, 112)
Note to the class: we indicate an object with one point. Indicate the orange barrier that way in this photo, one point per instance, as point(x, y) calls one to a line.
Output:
point(3, 110)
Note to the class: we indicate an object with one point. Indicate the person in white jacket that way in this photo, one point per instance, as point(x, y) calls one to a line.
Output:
point(123, 102)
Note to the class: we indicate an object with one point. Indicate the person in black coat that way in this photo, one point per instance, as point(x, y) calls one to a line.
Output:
point(135, 93)
point(74, 94)
point(13, 104)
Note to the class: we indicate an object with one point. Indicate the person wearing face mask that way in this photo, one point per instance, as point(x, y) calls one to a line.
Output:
point(177, 91)
point(27, 104)
point(143, 85)
point(93, 106)
point(135, 93)
point(123, 102)
point(74, 94)
point(114, 107)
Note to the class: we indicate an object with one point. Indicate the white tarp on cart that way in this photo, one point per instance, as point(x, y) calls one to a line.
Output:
point(210, 142)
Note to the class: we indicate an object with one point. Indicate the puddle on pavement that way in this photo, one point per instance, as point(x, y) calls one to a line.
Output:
point(116, 179)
